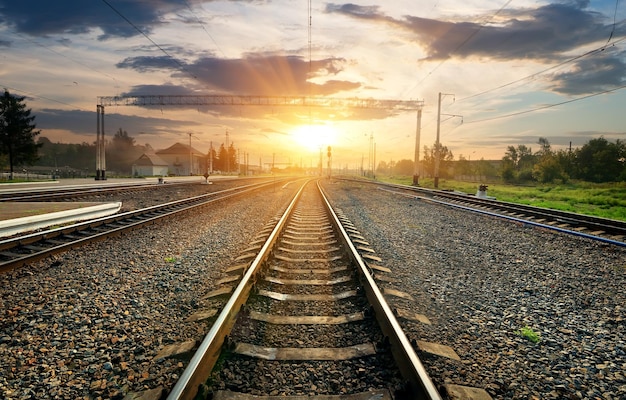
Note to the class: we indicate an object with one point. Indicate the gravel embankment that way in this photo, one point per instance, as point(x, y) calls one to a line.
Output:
point(481, 280)
point(88, 323)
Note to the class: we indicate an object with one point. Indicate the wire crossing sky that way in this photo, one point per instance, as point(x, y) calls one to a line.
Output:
point(519, 70)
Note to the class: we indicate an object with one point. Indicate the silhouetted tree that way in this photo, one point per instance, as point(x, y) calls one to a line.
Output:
point(486, 170)
point(517, 164)
point(61, 155)
point(122, 152)
point(404, 167)
point(601, 161)
point(17, 131)
point(222, 159)
point(445, 158)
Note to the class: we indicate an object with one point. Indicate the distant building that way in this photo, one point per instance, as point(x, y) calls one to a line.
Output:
point(150, 165)
point(183, 160)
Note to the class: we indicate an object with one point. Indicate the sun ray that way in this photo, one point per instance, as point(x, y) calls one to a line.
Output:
point(314, 137)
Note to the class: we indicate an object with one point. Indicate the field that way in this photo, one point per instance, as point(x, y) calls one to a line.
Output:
point(606, 200)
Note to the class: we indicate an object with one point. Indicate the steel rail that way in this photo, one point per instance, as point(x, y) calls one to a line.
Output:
point(520, 220)
point(204, 359)
point(608, 226)
point(48, 193)
point(126, 221)
point(68, 192)
point(207, 354)
point(408, 362)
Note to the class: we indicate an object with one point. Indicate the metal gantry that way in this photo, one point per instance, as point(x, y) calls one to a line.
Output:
point(245, 100)
point(254, 100)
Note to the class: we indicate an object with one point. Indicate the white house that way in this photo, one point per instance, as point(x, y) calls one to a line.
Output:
point(150, 165)
point(183, 160)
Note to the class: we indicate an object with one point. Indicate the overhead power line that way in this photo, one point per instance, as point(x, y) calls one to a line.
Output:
point(204, 28)
point(547, 106)
point(463, 43)
point(65, 56)
point(37, 96)
point(536, 74)
point(614, 21)
point(181, 65)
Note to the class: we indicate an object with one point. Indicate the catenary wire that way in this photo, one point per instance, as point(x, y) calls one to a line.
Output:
point(480, 27)
point(614, 22)
point(548, 105)
point(204, 28)
point(65, 56)
point(536, 74)
point(37, 96)
point(181, 65)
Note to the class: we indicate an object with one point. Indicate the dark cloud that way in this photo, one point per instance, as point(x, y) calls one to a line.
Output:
point(148, 63)
point(84, 122)
point(263, 75)
point(603, 71)
point(44, 17)
point(160, 90)
point(256, 74)
point(543, 33)
point(365, 12)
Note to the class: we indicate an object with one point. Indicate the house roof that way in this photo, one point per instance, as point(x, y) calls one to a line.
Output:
point(179, 148)
point(150, 159)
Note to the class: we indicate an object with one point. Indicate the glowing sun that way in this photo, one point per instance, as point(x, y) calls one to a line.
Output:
point(314, 137)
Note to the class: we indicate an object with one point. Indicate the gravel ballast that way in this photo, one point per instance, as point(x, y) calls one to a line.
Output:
point(88, 323)
point(491, 287)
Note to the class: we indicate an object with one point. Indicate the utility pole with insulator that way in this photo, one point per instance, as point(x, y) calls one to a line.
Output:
point(437, 144)
point(418, 131)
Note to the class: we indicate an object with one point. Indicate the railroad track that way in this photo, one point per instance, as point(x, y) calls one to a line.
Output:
point(601, 229)
point(305, 318)
point(35, 246)
point(72, 193)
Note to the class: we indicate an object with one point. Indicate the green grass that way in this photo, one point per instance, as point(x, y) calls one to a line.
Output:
point(528, 333)
point(606, 200)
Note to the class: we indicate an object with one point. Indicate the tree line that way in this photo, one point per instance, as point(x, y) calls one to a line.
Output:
point(598, 160)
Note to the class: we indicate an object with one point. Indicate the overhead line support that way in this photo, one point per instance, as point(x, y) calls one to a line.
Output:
point(249, 100)
point(252, 100)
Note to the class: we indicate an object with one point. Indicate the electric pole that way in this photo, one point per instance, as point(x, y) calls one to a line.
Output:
point(418, 132)
point(211, 157)
point(330, 157)
point(190, 156)
point(437, 144)
point(227, 155)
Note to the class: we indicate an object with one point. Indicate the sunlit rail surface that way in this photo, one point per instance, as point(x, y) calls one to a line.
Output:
point(305, 300)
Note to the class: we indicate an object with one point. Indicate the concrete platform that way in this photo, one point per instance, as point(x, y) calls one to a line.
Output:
point(20, 217)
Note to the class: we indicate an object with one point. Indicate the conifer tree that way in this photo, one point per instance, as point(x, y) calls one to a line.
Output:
point(17, 132)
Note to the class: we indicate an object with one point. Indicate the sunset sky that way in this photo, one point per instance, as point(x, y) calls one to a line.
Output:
point(512, 71)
